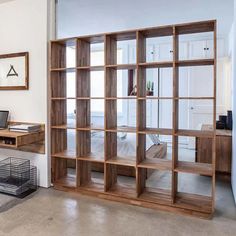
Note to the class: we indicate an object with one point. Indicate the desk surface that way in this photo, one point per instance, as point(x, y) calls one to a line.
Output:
point(28, 142)
point(219, 132)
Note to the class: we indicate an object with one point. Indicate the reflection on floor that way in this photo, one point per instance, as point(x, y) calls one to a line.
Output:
point(51, 213)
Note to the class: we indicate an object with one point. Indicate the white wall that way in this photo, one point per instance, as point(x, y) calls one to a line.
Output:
point(80, 17)
point(234, 102)
point(24, 27)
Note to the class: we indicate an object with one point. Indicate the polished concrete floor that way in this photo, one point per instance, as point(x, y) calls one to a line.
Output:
point(49, 212)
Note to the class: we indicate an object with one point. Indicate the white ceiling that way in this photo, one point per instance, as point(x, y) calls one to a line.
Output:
point(78, 17)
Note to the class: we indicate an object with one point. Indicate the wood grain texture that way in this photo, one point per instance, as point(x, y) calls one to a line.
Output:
point(142, 164)
point(28, 142)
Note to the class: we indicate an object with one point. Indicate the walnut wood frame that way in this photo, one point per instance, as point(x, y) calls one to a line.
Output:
point(174, 201)
point(20, 54)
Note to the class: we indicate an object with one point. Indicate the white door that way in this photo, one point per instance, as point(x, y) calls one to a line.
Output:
point(210, 49)
point(183, 51)
point(200, 85)
point(197, 49)
point(165, 52)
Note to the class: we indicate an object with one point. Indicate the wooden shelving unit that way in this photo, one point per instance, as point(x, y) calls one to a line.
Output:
point(109, 185)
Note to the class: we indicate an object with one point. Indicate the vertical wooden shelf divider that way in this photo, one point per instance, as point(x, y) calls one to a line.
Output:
point(175, 201)
point(175, 113)
point(141, 173)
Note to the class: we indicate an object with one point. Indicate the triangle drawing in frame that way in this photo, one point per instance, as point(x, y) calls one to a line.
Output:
point(12, 72)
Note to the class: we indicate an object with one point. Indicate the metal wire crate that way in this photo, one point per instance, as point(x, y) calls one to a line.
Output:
point(17, 176)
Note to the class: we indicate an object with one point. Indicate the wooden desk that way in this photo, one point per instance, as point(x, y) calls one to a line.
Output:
point(28, 142)
point(223, 149)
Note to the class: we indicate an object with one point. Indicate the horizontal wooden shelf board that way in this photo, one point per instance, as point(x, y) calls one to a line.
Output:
point(195, 168)
point(194, 98)
point(90, 98)
point(122, 129)
point(194, 202)
point(68, 154)
point(62, 98)
point(218, 132)
point(156, 64)
point(3, 145)
point(67, 181)
point(91, 68)
point(156, 163)
point(94, 185)
point(156, 131)
point(93, 157)
point(14, 134)
point(161, 196)
point(65, 41)
point(166, 30)
point(133, 97)
point(153, 97)
point(200, 62)
point(90, 128)
point(124, 190)
point(65, 69)
point(97, 38)
point(63, 127)
point(116, 98)
point(122, 35)
point(122, 66)
point(123, 161)
point(161, 31)
point(195, 27)
point(195, 133)
point(136, 201)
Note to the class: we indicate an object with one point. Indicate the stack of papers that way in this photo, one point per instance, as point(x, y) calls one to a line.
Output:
point(29, 128)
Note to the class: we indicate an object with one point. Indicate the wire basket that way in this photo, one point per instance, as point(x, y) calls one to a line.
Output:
point(17, 176)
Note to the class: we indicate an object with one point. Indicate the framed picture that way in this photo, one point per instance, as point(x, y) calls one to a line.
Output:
point(14, 71)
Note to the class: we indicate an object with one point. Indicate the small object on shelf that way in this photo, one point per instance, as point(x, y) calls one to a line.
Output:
point(220, 125)
point(29, 128)
point(229, 123)
point(17, 177)
point(150, 88)
point(223, 119)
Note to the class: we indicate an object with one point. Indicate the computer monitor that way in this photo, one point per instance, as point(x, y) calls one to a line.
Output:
point(3, 119)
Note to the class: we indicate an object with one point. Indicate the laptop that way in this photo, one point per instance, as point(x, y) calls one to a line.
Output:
point(3, 119)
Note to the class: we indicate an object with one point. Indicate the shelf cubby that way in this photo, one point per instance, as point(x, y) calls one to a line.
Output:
point(64, 172)
point(66, 143)
point(158, 114)
point(63, 83)
point(116, 184)
point(154, 151)
point(65, 119)
point(87, 179)
point(63, 54)
point(187, 155)
point(195, 107)
point(159, 82)
point(97, 81)
point(194, 184)
point(116, 100)
point(155, 37)
point(155, 185)
point(116, 47)
point(192, 79)
point(121, 148)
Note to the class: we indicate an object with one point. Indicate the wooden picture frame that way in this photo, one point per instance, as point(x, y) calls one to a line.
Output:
point(14, 71)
